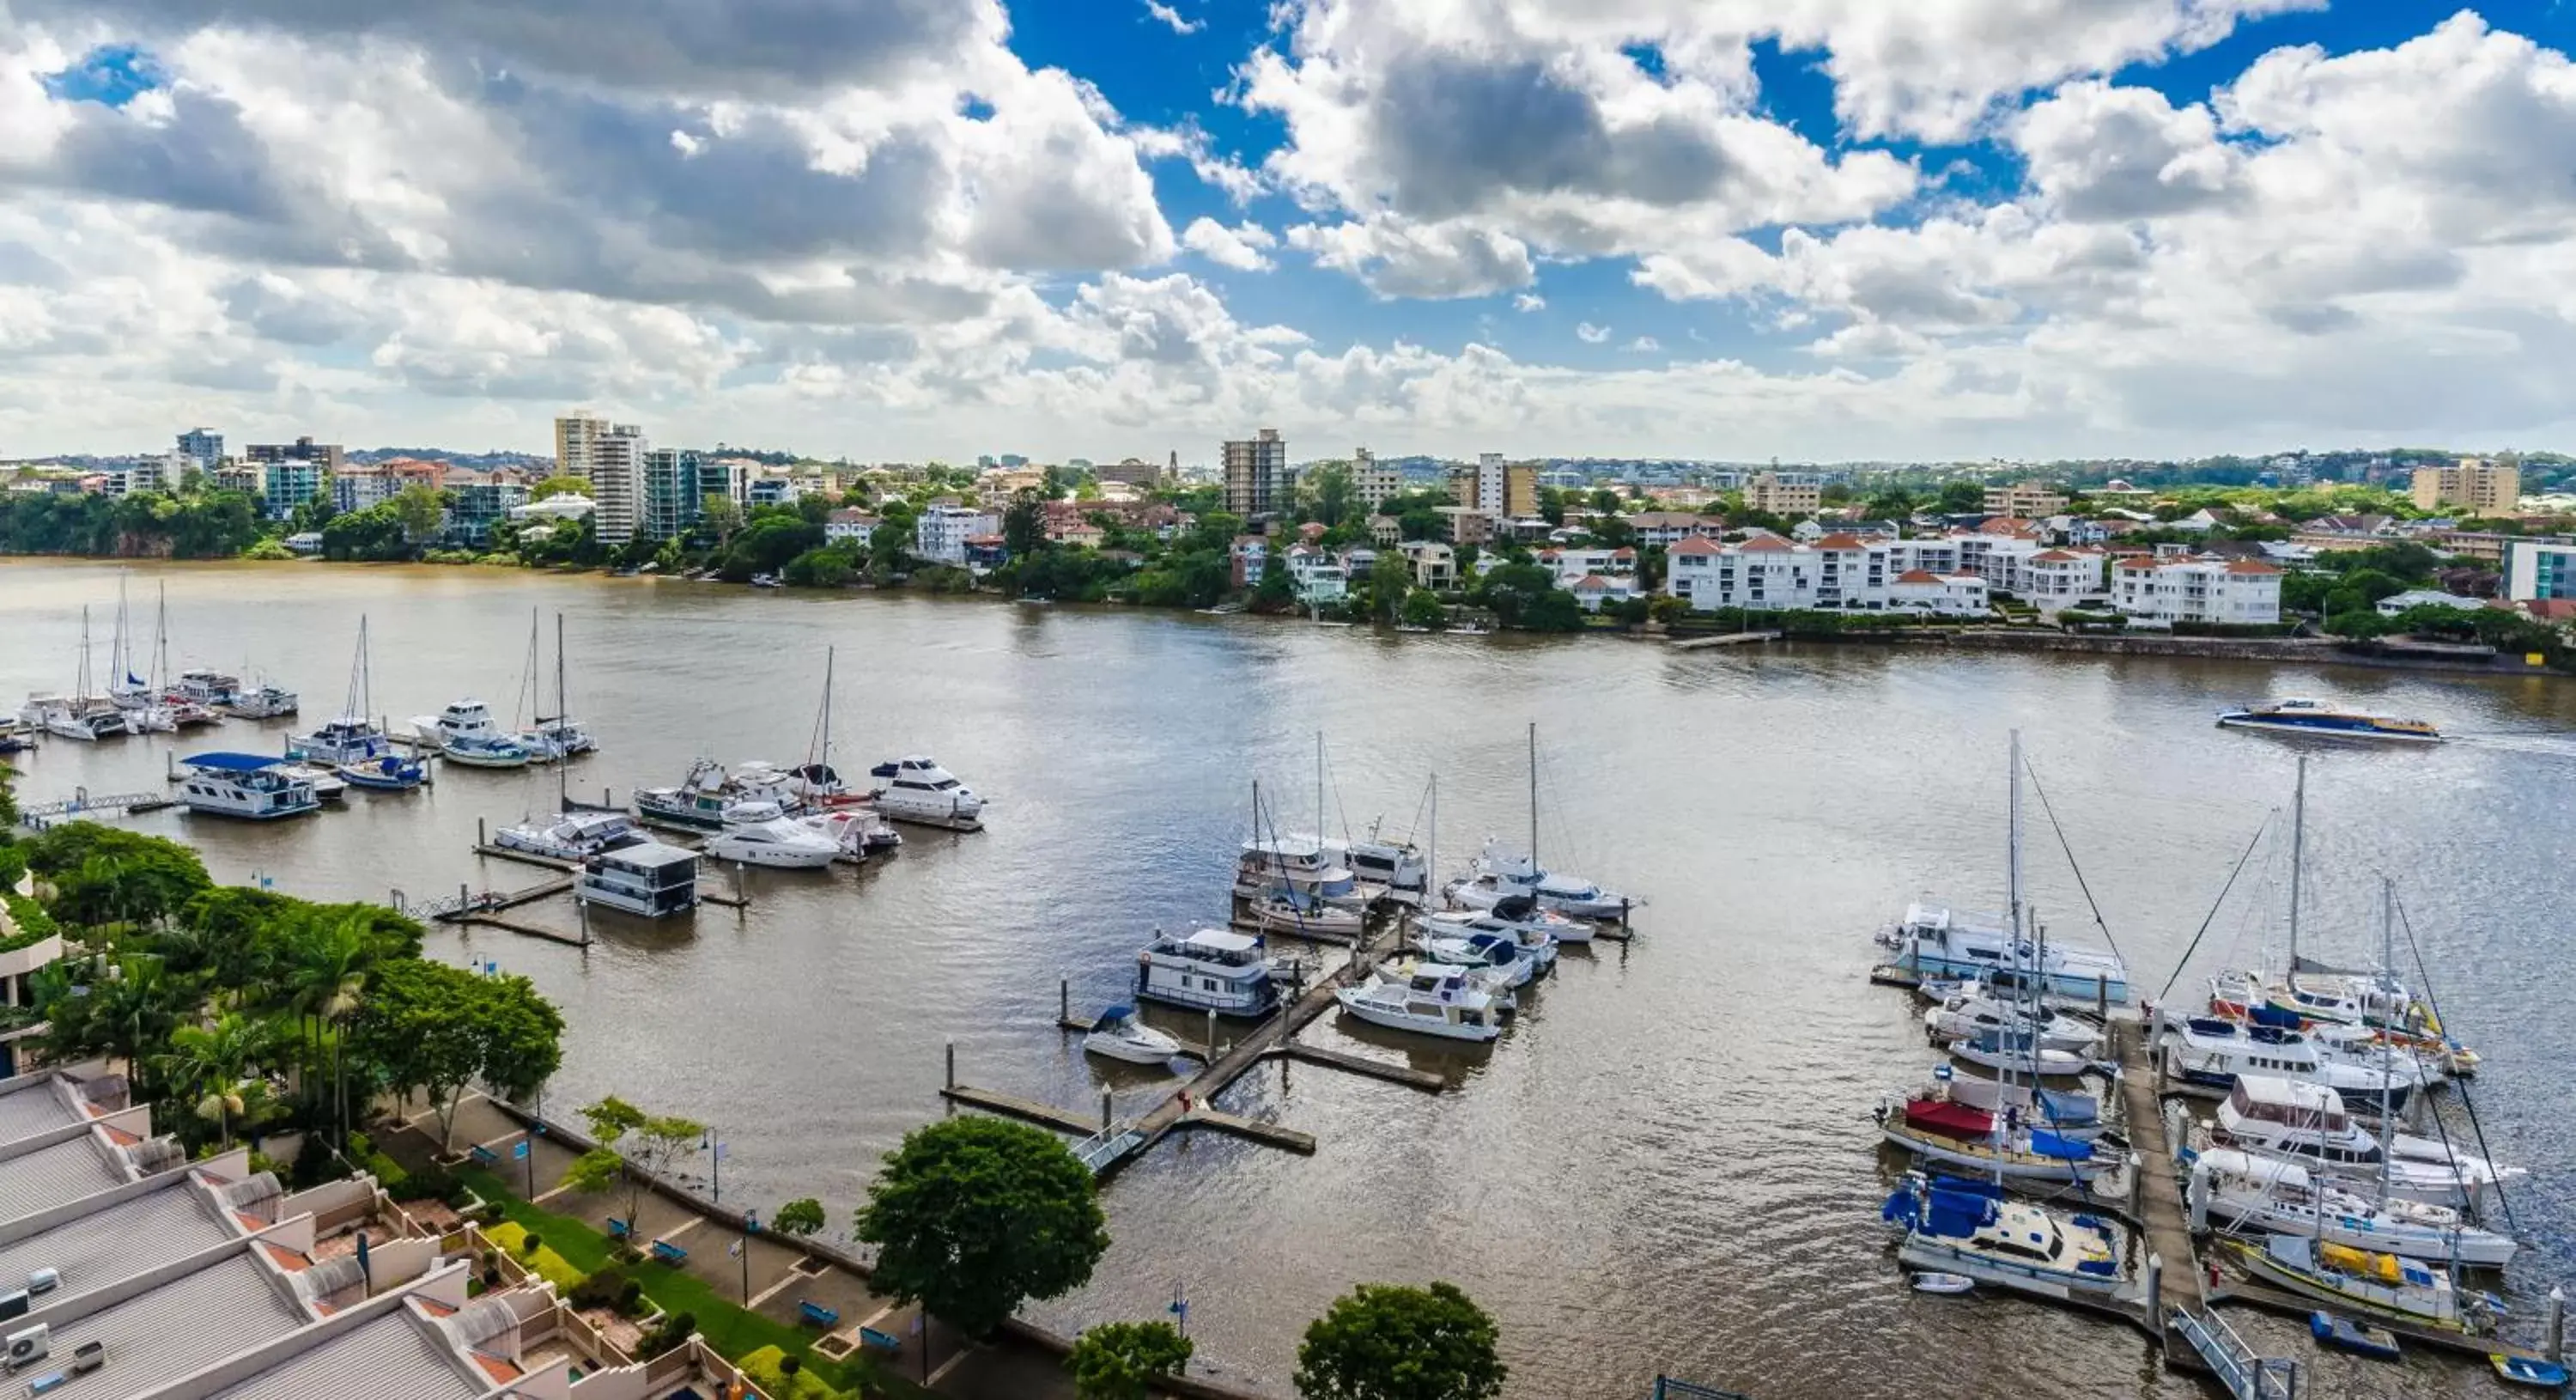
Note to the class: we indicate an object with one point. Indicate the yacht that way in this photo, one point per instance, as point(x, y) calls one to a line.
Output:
point(758, 833)
point(2019, 1052)
point(149, 717)
point(1300, 916)
point(1536, 934)
point(2246, 1192)
point(646, 878)
point(1435, 1000)
point(466, 734)
point(2367, 1281)
point(855, 832)
point(213, 689)
point(2329, 721)
point(698, 803)
point(1973, 1012)
point(1946, 1127)
point(2206, 1054)
point(557, 736)
point(244, 785)
point(1513, 965)
point(571, 836)
point(1119, 1035)
point(262, 701)
point(350, 739)
point(1395, 867)
point(66, 718)
point(1969, 1228)
point(1495, 982)
point(1210, 970)
point(2306, 1124)
point(1934, 941)
point(392, 772)
point(1298, 865)
point(1501, 872)
point(916, 789)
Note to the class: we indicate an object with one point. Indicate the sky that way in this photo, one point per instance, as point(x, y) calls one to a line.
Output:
point(1817, 230)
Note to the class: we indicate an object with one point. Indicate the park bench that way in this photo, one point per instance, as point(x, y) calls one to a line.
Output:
point(619, 1229)
point(817, 1314)
point(669, 1253)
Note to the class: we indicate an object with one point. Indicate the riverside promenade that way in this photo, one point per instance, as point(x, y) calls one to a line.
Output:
point(771, 1275)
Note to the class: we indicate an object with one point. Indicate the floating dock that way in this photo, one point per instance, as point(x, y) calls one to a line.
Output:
point(1729, 639)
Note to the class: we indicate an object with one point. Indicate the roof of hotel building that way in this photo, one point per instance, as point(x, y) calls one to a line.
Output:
point(37, 1105)
point(399, 1356)
point(1842, 542)
point(2054, 556)
point(1768, 543)
point(180, 1327)
point(1696, 544)
point(55, 1176)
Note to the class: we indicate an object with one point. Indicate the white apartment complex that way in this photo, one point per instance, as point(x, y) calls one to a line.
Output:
point(2196, 588)
point(610, 456)
point(1836, 572)
point(1371, 481)
point(941, 531)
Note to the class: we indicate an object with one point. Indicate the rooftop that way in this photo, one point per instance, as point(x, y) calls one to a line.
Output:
point(54, 1176)
point(36, 1104)
point(399, 1356)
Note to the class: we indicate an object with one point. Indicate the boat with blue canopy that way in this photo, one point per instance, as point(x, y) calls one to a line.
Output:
point(256, 786)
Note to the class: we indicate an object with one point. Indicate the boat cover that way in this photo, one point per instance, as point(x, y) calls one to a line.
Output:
point(1115, 1013)
point(2275, 1016)
point(233, 762)
point(1948, 1119)
point(1956, 1213)
point(2048, 1144)
point(2069, 1110)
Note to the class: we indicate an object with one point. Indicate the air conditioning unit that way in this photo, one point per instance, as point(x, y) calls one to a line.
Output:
point(13, 1304)
point(88, 1357)
point(44, 1280)
point(28, 1347)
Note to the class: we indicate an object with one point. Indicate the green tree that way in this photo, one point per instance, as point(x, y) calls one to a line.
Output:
point(799, 1218)
point(559, 486)
point(1024, 524)
point(432, 1029)
point(1390, 584)
point(1121, 1360)
point(1327, 492)
point(211, 1066)
point(1391, 1342)
point(1896, 503)
point(831, 566)
point(1423, 608)
point(974, 1216)
point(721, 516)
point(421, 513)
point(634, 1146)
point(1961, 497)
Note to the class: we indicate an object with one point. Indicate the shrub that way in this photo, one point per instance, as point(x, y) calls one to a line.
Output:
point(315, 1163)
point(535, 1242)
point(609, 1288)
point(784, 1377)
point(665, 1335)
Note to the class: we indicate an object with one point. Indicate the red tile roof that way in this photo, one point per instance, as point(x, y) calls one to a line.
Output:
point(2250, 566)
point(1842, 542)
point(1768, 544)
point(1917, 576)
point(1696, 544)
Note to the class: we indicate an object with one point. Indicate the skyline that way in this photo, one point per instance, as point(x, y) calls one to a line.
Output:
point(2158, 228)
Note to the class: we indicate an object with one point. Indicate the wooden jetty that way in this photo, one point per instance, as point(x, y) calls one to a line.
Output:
point(2157, 1183)
point(1361, 1065)
point(1727, 639)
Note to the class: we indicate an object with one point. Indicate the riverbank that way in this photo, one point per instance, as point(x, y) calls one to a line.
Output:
point(2303, 651)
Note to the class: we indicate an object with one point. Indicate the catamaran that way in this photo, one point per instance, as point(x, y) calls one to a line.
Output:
point(80, 715)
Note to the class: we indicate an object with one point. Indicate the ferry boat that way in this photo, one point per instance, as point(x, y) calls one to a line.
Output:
point(1969, 1228)
point(466, 734)
point(2246, 1192)
point(758, 833)
point(646, 878)
point(2367, 1281)
point(1436, 1000)
point(249, 785)
point(571, 836)
point(916, 789)
point(2329, 721)
point(2207, 1053)
point(1210, 970)
point(1938, 942)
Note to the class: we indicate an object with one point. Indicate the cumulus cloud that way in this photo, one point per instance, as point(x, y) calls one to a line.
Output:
point(1591, 334)
point(1238, 247)
point(1397, 258)
point(1165, 14)
point(1529, 301)
point(1645, 344)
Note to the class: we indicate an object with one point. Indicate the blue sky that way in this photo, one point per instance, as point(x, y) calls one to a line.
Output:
point(1719, 228)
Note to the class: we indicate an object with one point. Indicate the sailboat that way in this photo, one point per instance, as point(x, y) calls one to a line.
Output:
point(356, 746)
point(847, 817)
point(185, 710)
point(559, 734)
point(1286, 884)
point(79, 715)
point(127, 690)
point(1501, 872)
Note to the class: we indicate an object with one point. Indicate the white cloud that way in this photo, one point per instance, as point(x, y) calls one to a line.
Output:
point(1591, 334)
point(1238, 247)
point(1529, 301)
point(1397, 258)
point(1645, 344)
point(1167, 15)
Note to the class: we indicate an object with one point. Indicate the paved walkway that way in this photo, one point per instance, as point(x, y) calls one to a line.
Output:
point(776, 1276)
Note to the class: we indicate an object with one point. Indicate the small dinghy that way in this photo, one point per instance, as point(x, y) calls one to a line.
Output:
point(2359, 1338)
point(1943, 1283)
point(2528, 1370)
point(1120, 1036)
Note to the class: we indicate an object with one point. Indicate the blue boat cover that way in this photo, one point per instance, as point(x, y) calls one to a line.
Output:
point(2069, 1109)
point(233, 762)
point(1116, 1013)
point(2048, 1144)
point(2274, 1016)
point(1956, 1214)
point(1964, 1186)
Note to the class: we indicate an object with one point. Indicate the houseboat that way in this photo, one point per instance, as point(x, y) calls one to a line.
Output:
point(250, 785)
point(1299, 867)
point(1210, 970)
point(647, 879)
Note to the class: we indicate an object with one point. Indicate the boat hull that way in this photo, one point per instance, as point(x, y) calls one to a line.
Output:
point(1375, 1015)
point(2361, 734)
point(1111, 1047)
point(1930, 1256)
point(2317, 1286)
point(1955, 1152)
point(772, 857)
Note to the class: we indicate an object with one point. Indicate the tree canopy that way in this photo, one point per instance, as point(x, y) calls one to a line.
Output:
point(433, 1029)
point(974, 1216)
point(1392, 1342)
point(1121, 1360)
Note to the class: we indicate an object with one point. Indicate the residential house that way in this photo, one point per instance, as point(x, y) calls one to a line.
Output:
point(1385, 529)
point(941, 531)
point(1668, 527)
point(849, 525)
point(1593, 590)
point(2159, 591)
point(1954, 595)
point(982, 553)
point(1434, 565)
point(1249, 559)
point(1320, 578)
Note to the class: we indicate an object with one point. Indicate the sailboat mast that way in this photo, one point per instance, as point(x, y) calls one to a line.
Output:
point(2298, 856)
point(116, 663)
point(826, 757)
point(1319, 789)
point(1533, 784)
point(80, 689)
point(561, 707)
point(161, 642)
point(1431, 857)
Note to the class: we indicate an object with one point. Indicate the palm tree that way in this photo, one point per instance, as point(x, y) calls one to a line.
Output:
point(212, 1066)
point(326, 969)
point(131, 1010)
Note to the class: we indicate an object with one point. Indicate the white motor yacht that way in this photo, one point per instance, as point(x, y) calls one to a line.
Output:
point(1209, 970)
point(1933, 941)
point(213, 689)
point(262, 701)
point(466, 733)
point(250, 785)
point(571, 836)
point(703, 801)
point(1972, 1229)
point(855, 832)
point(328, 785)
point(2306, 1124)
point(1118, 1035)
point(1968, 1013)
point(1436, 1000)
point(350, 739)
point(1395, 867)
point(1535, 936)
point(758, 833)
point(1502, 957)
point(2206, 1054)
point(1297, 865)
point(916, 789)
point(2247, 1192)
point(1500, 871)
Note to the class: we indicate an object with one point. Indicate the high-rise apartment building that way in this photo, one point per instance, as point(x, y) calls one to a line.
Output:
point(1496, 489)
point(2474, 485)
point(1783, 495)
point(203, 447)
point(672, 499)
point(1133, 471)
point(1257, 480)
point(329, 456)
point(1373, 481)
point(616, 473)
point(2028, 500)
point(575, 434)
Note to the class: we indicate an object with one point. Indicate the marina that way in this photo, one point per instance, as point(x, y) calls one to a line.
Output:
point(1633, 1068)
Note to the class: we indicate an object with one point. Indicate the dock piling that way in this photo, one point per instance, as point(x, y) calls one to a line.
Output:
point(952, 1063)
point(1105, 1115)
point(482, 837)
point(2102, 995)
point(2155, 1284)
point(1210, 1042)
point(1063, 1000)
point(2557, 1332)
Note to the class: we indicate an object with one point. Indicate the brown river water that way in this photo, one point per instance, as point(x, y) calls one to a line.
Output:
point(1666, 1165)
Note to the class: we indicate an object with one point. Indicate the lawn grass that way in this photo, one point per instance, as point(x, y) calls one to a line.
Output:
point(728, 1328)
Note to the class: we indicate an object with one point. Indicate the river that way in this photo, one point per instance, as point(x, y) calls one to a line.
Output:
point(1666, 1165)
